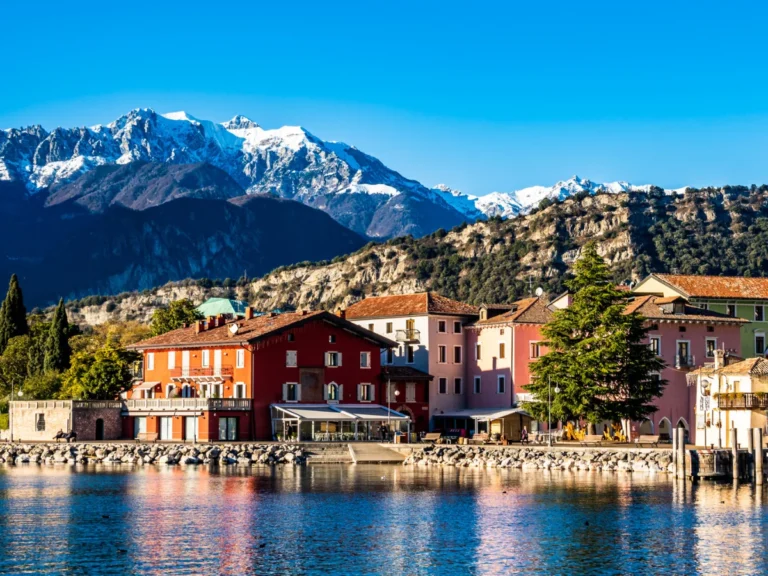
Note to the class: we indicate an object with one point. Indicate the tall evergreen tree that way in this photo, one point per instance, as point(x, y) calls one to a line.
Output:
point(57, 350)
point(13, 314)
point(596, 354)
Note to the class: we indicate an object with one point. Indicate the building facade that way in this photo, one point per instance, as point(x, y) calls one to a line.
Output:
point(430, 334)
point(218, 379)
point(738, 297)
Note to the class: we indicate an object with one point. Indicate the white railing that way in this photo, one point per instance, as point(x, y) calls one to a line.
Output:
point(187, 404)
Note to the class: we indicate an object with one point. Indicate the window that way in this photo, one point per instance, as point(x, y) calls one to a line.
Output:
point(682, 329)
point(291, 392)
point(703, 306)
point(477, 351)
point(171, 360)
point(187, 391)
point(389, 327)
point(169, 391)
point(760, 344)
point(206, 358)
point(501, 331)
point(390, 356)
point(40, 422)
point(333, 359)
point(410, 392)
point(365, 359)
point(240, 390)
point(332, 392)
point(501, 384)
point(441, 327)
point(711, 346)
point(291, 358)
point(457, 385)
point(365, 393)
point(535, 350)
point(204, 391)
point(759, 313)
point(441, 354)
point(332, 338)
point(730, 310)
point(442, 386)
point(228, 428)
point(457, 327)
point(240, 358)
point(409, 359)
point(457, 354)
point(502, 350)
point(476, 387)
point(151, 361)
point(370, 327)
point(217, 391)
point(291, 337)
point(655, 343)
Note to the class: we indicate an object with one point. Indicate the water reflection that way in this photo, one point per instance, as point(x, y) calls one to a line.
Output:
point(373, 520)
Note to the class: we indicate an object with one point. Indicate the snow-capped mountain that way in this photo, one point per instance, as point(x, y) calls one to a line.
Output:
point(355, 188)
point(510, 204)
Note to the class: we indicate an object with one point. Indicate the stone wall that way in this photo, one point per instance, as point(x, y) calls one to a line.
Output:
point(84, 422)
point(604, 459)
point(56, 415)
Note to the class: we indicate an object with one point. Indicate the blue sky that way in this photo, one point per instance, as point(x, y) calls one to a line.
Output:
point(481, 96)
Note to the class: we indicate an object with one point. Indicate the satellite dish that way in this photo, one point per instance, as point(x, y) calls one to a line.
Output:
point(234, 328)
point(539, 291)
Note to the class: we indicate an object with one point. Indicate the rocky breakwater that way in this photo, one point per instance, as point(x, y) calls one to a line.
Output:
point(600, 459)
point(148, 454)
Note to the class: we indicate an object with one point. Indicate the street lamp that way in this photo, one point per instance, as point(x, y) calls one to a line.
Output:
point(10, 408)
point(549, 409)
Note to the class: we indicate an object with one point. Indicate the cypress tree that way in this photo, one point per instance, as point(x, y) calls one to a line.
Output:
point(13, 314)
point(57, 350)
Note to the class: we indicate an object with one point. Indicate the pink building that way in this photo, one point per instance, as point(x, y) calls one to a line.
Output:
point(685, 337)
point(501, 346)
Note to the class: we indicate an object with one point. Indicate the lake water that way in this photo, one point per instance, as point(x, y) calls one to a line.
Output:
point(374, 520)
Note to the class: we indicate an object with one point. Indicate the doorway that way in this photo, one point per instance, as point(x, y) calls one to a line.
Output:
point(190, 428)
point(166, 428)
point(99, 429)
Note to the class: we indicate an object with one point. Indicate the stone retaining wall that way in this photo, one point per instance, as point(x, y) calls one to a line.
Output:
point(147, 454)
point(606, 459)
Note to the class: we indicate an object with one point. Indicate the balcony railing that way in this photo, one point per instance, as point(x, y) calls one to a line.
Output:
point(181, 404)
point(408, 335)
point(220, 372)
point(685, 361)
point(742, 401)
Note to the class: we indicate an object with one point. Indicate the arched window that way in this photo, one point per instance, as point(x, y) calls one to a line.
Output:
point(333, 391)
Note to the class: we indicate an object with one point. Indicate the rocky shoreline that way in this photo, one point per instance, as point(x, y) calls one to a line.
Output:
point(599, 459)
point(148, 454)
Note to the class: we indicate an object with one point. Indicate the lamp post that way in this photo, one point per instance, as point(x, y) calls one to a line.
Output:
point(10, 408)
point(549, 409)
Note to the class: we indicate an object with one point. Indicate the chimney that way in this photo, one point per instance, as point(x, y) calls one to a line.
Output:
point(221, 320)
point(199, 326)
point(719, 359)
point(341, 313)
point(211, 322)
point(249, 312)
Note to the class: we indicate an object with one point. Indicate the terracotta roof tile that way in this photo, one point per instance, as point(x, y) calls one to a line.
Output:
point(408, 305)
point(648, 306)
point(752, 366)
point(527, 311)
point(249, 331)
point(717, 286)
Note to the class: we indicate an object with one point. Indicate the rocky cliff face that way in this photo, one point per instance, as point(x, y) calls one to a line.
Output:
point(712, 231)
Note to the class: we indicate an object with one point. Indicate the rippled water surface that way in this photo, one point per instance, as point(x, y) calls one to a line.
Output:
point(374, 520)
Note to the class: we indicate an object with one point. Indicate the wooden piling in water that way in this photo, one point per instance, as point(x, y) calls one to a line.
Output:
point(750, 471)
point(680, 434)
point(758, 435)
point(734, 454)
point(675, 464)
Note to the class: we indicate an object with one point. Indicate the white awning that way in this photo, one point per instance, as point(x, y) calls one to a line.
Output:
point(483, 413)
point(336, 412)
point(146, 385)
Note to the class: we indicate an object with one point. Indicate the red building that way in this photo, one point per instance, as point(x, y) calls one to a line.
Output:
point(303, 374)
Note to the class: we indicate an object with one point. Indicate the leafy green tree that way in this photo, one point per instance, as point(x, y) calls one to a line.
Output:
point(99, 376)
point(14, 364)
point(596, 354)
point(13, 314)
point(43, 386)
point(177, 314)
point(57, 350)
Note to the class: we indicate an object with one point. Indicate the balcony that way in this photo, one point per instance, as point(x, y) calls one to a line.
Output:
point(409, 335)
point(186, 404)
point(202, 374)
point(684, 361)
point(742, 401)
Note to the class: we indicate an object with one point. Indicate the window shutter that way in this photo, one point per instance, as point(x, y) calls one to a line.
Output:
point(338, 355)
point(298, 392)
point(359, 392)
point(341, 392)
point(325, 391)
point(285, 392)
